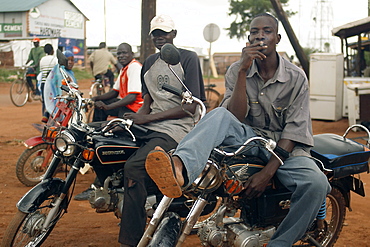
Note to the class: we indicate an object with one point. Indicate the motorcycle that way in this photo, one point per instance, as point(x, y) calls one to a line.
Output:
point(35, 159)
point(105, 147)
point(243, 222)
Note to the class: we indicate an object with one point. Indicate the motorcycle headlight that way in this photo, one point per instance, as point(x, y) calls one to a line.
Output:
point(65, 143)
point(210, 179)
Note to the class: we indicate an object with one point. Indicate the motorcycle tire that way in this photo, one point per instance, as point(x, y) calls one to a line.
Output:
point(29, 169)
point(24, 229)
point(335, 215)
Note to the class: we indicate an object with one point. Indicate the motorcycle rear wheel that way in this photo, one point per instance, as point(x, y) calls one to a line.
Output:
point(29, 168)
point(25, 228)
point(335, 215)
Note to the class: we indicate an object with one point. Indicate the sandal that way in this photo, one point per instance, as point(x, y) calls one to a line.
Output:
point(161, 169)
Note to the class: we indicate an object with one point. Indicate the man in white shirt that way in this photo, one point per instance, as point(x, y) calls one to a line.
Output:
point(46, 65)
point(100, 61)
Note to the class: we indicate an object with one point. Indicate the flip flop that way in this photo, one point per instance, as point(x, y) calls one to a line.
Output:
point(161, 169)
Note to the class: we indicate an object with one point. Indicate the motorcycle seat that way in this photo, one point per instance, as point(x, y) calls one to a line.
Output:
point(341, 155)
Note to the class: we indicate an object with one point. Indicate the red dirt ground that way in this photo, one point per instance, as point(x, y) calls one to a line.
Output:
point(81, 226)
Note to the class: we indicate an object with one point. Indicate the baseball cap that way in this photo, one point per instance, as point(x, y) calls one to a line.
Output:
point(68, 53)
point(36, 40)
point(162, 22)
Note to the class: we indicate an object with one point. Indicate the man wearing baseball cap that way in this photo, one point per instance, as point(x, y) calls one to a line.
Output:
point(35, 55)
point(167, 120)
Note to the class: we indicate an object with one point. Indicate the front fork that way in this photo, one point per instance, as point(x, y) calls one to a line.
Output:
point(64, 192)
point(188, 224)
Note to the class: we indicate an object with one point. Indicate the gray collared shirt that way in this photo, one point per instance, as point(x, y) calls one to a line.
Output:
point(278, 108)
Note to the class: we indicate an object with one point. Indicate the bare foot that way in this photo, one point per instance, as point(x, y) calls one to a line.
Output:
point(179, 166)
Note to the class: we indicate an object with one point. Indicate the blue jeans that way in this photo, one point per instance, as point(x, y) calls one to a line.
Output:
point(299, 174)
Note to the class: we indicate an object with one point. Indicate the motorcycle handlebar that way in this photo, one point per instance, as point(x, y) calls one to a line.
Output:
point(268, 144)
point(139, 128)
point(172, 89)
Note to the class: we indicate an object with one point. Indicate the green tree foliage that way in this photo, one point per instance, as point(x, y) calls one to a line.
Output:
point(245, 10)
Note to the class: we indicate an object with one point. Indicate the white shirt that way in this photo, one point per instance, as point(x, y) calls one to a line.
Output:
point(46, 64)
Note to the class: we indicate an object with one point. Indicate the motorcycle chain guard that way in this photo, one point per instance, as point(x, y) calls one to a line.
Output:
point(38, 194)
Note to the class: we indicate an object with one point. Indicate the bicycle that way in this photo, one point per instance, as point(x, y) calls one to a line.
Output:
point(20, 91)
point(213, 97)
point(99, 87)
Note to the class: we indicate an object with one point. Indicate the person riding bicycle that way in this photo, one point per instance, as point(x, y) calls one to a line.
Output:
point(35, 56)
point(100, 60)
point(165, 117)
point(126, 93)
point(267, 96)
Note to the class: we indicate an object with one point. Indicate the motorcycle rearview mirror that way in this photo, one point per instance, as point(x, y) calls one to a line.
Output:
point(62, 59)
point(170, 54)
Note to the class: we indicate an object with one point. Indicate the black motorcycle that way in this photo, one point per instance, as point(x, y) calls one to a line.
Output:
point(243, 222)
point(103, 146)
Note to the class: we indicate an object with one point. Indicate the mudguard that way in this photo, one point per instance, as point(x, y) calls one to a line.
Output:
point(33, 141)
point(167, 231)
point(38, 194)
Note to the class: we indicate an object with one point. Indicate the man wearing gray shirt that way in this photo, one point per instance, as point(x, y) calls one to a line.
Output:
point(265, 96)
point(166, 118)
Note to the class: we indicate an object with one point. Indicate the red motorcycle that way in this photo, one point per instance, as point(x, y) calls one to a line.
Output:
point(34, 161)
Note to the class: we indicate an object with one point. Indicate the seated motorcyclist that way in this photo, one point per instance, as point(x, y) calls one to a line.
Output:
point(126, 93)
point(266, 96)
point(125, 96)
point(165, 117)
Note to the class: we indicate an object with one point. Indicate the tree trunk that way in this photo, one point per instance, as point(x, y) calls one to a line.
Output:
point(291, 35)
point(148, 11)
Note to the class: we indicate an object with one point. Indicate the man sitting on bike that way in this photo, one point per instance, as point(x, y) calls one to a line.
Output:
point(165, 117)
point(126, 93)
point(35, 55)
point(265, 96)
point(125, 96)
point(100, 61)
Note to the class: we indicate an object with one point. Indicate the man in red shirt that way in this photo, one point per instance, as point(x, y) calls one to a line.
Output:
point(126, 93)
point(125, 96)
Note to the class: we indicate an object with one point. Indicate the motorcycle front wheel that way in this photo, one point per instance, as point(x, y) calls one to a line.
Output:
point(33, 163)
point(26, 229)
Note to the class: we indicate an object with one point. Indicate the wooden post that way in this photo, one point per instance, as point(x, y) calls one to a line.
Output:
point(148, 11)
point(291, 35)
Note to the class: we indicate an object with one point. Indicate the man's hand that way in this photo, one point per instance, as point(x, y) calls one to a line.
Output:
point(251, 52)
point(101, 105)
point(256, 184)
point(138, 118)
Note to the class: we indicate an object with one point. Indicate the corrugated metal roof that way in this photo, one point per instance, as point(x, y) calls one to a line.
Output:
point(352, 28)
point(19, 5)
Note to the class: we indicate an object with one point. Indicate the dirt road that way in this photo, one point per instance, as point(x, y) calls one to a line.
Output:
point(81, 226)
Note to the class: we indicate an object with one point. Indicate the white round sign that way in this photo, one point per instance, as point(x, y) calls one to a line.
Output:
point(211, 32)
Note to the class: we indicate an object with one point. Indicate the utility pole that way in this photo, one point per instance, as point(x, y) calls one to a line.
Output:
point(148, 11)
point(276, 4)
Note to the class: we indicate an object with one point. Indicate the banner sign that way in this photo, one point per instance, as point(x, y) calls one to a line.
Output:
point(11, 27)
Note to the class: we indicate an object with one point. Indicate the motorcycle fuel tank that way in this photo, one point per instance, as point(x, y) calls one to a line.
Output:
point(113, 150)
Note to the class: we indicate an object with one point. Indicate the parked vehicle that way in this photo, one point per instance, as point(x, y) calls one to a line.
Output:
point(244, 222)
point(105, 148)
point(34, 161)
